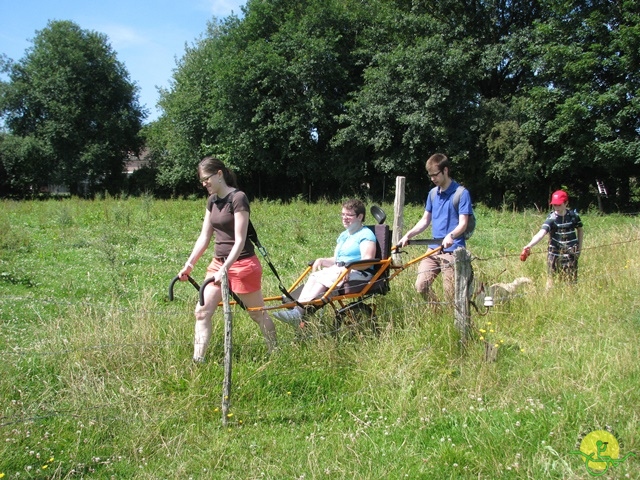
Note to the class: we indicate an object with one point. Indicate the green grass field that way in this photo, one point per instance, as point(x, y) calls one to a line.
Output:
point(96, 378)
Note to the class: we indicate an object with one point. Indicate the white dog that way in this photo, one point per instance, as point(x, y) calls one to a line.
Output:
point(501, 292)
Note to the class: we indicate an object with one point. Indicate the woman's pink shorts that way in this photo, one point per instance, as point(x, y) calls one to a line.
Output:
point(245, 276)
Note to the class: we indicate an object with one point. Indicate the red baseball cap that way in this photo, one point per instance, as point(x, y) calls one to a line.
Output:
point(559, 197)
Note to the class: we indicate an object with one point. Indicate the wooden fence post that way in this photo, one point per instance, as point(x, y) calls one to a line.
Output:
point(228, 347)
point(463, 276)
point(398, 218)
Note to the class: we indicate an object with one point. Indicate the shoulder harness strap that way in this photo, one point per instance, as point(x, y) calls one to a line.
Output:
point(253, 236)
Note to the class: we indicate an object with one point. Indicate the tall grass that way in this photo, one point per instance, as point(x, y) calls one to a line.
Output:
point(97, 381)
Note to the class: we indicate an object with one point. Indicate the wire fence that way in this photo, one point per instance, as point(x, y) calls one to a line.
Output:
point(311, 334)
point(8, 299)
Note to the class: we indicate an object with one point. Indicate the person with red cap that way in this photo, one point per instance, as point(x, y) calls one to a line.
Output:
point(565, 239)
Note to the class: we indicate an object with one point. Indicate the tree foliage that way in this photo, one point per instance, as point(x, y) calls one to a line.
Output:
point(523, 96)
point(71, 112)
point(588, 77)
point(266, 93)
point(321, 98)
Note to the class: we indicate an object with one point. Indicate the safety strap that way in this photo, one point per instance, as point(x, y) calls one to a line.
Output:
point(253, 236)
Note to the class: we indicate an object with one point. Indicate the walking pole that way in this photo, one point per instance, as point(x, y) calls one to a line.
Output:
point(228, 329)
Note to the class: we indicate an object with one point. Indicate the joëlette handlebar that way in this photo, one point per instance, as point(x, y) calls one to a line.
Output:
point(177, 278)
point(421, 241)
point(210, 280)
point(204, 284)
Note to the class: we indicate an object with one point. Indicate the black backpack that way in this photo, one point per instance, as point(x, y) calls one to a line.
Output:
point(471, 226)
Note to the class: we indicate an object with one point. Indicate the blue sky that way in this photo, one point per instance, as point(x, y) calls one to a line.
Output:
point(147, 35)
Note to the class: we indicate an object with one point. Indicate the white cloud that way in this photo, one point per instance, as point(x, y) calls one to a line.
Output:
point(223, 8)
point(122, 36)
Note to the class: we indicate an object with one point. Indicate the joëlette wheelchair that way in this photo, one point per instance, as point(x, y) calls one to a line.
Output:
point(349, 299)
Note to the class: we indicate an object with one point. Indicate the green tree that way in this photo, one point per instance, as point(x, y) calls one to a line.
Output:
point(21, 175)
point(294, 82)
point(417, 99)
point(523, 95)
point(442, 77)
point(71, 100)
point(187, 129)
point(266, 93)
point(583, 112)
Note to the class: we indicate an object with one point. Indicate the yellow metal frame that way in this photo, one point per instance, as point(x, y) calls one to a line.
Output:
point(332, 294)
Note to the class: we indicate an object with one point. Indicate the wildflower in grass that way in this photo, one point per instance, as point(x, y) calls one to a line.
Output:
point(45, 466)
point(490, 334)
point(1, 475)
point(229, 415)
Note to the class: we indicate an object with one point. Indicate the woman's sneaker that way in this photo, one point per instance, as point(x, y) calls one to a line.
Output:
point(292, 316)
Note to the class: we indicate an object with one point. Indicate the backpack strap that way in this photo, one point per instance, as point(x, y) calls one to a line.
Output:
point(456, 196)
point(433, 193)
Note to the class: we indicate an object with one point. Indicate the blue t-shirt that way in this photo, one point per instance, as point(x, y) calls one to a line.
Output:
point(348, 246)
point(444, 216)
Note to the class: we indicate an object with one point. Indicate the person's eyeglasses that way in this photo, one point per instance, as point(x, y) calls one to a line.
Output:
point(434, 175)
point(202, 180)
point(349, 215)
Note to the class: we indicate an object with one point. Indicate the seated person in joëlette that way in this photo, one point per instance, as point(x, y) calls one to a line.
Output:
point(357, 242)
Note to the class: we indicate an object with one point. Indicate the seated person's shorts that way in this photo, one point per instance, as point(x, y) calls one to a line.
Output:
point(328, 276)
